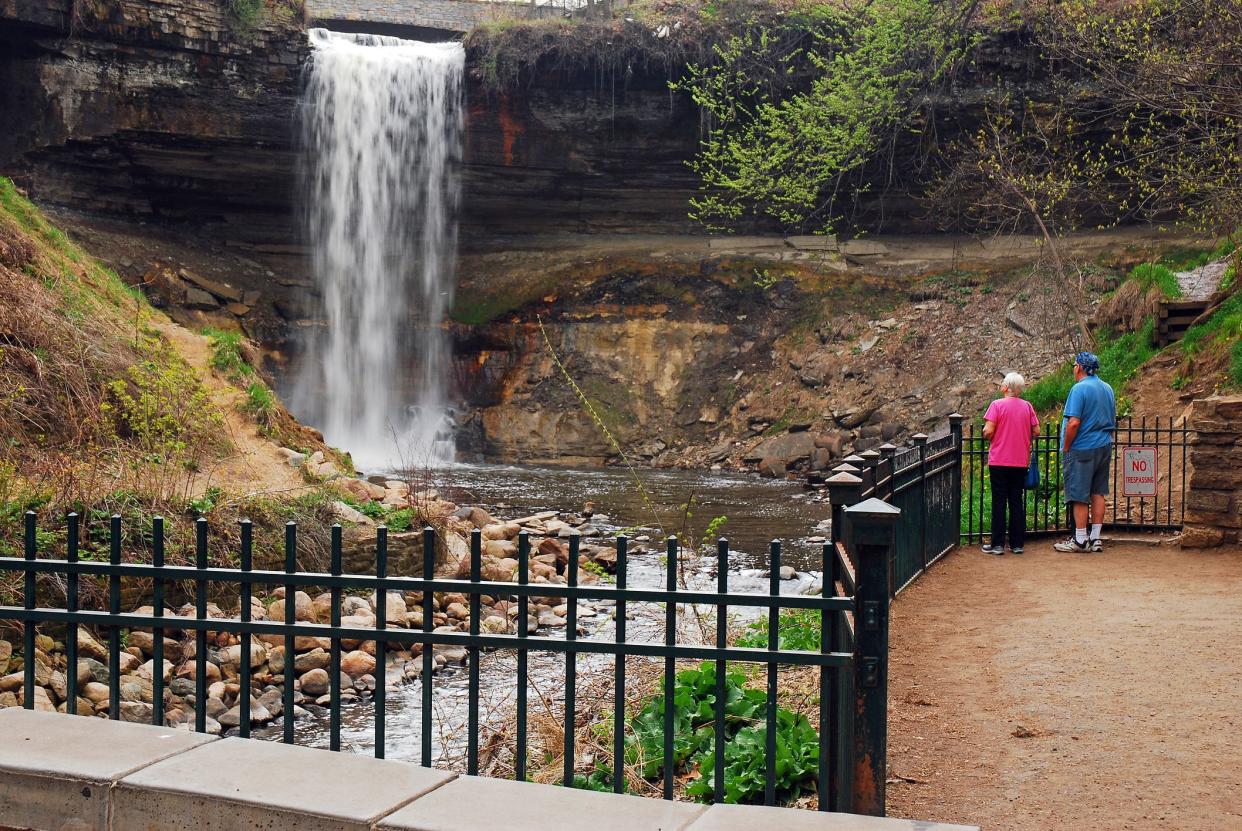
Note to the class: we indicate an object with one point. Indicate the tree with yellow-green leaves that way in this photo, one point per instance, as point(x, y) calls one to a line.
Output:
point(793, 108)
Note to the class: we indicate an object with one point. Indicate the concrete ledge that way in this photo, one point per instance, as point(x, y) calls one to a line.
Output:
point(56, 771)
point(751, 817)
point(470, 803)
point(73, 773)
point(247, 784)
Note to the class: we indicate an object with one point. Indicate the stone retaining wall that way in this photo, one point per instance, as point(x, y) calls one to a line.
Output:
point(1214, 486)
point(61, 772)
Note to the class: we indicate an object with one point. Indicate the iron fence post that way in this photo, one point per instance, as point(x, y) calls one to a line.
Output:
point(844, 486)
point(871, 526)
point(887, 451)
point(920, 441)
point(955, 430)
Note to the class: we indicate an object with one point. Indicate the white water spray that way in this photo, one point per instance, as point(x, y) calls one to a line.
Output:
point(382, 126)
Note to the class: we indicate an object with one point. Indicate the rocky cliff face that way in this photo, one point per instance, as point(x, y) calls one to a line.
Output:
point(574, 231)
point(156, 110)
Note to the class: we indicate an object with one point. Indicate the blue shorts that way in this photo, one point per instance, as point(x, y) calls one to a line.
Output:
point(1086, 473)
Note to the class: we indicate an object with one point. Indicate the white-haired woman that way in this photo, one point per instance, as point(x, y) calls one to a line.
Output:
point(1010, 424)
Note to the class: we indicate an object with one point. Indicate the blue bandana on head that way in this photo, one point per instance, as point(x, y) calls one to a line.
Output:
point(1089, 363)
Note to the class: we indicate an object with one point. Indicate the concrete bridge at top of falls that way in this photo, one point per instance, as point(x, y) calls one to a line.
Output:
point(451, 16)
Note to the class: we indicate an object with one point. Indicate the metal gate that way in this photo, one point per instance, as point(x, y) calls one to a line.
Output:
point(1046, 511)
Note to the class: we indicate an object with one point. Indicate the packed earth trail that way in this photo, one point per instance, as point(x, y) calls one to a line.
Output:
point(1057, 691)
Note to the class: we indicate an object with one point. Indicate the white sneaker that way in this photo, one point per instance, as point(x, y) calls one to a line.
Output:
point(1072, 546)
point(1097, 544)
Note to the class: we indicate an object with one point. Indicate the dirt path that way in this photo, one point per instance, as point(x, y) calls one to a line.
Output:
point(1055, 691)
point(256, 465)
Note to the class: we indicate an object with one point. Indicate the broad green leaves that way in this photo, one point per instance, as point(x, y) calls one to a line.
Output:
point(694, 715)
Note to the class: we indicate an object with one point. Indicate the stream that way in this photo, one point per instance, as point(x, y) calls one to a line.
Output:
point(758, 510)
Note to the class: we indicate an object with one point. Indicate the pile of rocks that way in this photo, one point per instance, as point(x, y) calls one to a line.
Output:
point(309, 665)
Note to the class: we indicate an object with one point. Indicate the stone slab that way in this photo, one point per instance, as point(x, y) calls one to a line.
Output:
point(243, 784)
point(55, 769)
point(470, 803)
point(751, 817)
point(821, 242)
point(730, 243)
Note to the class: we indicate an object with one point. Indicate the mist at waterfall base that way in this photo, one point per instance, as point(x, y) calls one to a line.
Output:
point(381, 124)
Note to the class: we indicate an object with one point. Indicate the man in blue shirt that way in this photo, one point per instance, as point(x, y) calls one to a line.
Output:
point(1090, 418)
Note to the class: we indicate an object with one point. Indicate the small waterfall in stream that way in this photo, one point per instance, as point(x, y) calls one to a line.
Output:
point(382, 125)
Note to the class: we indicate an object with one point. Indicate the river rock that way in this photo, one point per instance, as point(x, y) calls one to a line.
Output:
point(347, 513)
point(138, 712)
point(258, 715)
point(322, 605)
point(232, 655)
point(42, 701)
point(134, 688)
point(354, 605)
point(789, 448)
point(500, 549)
point(315, 682)
point(771, 467)
point(58, 686)
point(395, 608)
point(315, 659)
point(477, 517)
point(147, 670)
point(95, 692)
point(129, 662)
point(189, 671)
point(8, 699)
point(11, 682)
point(357, 663)
point(494, 625)
point(360, 489)
point(303, 608)
point(6, 653)
point(84, 707)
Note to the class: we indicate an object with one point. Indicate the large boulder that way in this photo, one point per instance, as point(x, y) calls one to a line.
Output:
point(791, 448)
point(771, 467)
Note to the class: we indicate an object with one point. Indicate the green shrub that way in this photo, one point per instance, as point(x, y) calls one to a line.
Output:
point(261, 404)
point(226, 355)
point(1235, 364)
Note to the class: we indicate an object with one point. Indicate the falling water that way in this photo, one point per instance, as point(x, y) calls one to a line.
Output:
point(382, 126)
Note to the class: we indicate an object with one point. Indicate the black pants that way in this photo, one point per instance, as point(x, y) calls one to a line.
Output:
point(1008, 493)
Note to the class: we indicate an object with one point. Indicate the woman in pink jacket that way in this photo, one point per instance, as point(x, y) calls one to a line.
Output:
point(1009, 424)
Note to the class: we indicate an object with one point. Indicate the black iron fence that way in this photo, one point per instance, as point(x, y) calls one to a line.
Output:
point(923, 481)
point(852, 658)
point(1158, 445)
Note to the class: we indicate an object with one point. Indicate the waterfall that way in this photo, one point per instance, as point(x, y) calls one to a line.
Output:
point(382, 124)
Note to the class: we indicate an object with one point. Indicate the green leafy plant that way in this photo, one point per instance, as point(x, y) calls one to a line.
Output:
point(206, 503)
point(798, 629)
point(694, 702)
